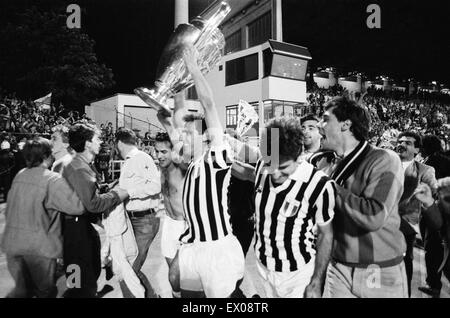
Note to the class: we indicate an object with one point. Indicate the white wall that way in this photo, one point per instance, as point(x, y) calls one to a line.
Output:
point(283, 89)
point(104, 111)
point(350, 86)
point(132, 100)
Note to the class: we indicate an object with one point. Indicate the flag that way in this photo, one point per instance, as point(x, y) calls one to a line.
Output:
point(44, 102)
point(247, 117)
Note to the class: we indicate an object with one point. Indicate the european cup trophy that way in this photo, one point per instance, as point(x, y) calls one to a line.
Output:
point(172, 76)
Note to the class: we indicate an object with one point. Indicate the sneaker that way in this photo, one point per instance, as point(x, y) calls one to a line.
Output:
point(433, 292)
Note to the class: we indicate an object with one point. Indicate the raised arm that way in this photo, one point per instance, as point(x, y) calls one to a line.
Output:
point(179, 110)
point(205, 96)
point(62, 198)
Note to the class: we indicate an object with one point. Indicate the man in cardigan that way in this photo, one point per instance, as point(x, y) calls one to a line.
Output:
point(408, 146)
point(367, 259)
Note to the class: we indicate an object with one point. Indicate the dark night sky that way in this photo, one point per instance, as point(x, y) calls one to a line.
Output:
point(414, 40)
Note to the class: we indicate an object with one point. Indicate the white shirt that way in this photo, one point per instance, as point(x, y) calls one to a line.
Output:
point(140, 177)
point(405, 164)
point(5, 145)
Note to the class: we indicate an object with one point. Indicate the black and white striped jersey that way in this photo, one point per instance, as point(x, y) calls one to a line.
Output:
point(205, 197)
point(287, 216)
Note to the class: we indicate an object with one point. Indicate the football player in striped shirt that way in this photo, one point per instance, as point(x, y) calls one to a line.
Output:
point(210, 260)
point(294, 212)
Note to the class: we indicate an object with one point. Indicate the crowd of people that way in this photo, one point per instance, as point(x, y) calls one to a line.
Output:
point(334, 207)
point(395, 111)
point(23, 120)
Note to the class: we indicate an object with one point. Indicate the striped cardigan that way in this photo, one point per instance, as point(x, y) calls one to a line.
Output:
point(366, 214)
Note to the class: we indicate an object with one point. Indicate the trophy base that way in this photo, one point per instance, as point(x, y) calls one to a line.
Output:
point(150, 99)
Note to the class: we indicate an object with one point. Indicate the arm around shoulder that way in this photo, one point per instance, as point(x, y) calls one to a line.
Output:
point(61, 197)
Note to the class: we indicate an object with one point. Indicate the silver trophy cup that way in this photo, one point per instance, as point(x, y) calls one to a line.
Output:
point(172, 76)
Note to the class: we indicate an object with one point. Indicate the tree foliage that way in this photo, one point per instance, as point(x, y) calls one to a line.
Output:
point(40, 54)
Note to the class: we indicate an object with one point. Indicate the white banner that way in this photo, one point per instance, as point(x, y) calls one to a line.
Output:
point(247, 117)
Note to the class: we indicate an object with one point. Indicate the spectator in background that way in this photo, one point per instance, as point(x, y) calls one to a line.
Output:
point(433, 156)
point(109, 131)
point(408, 146)
point(102, 161)
point(311, 136)
point(437, 215)
point(61, 151)
point(6, 168)
point(434, 252)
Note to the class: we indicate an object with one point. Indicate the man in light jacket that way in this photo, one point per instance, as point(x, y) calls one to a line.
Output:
point(32, 238)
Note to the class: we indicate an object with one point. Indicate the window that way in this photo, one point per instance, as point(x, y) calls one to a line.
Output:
point(241, 70)
point(260, 30)
point(284, 66)
point(231, 116)
point(233, 42)
point(278, 108)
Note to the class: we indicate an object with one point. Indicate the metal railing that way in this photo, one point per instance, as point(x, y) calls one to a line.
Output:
point(134, 123)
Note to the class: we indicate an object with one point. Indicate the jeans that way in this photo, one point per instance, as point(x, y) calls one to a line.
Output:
point(33, 275)
point(145, 229)
point(409, 259)
point(343, 281)
point(434, 253)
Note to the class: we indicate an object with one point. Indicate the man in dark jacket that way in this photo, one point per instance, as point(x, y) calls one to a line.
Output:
point(81, 240)
point(437, 214)
point(434, 157)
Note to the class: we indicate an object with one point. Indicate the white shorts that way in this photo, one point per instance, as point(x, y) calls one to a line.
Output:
point(213, 267)
point(286, 284)
point(170, 236)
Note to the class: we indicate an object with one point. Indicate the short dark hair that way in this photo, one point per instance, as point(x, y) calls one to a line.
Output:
point(290, 136)
point(79, 134)
point(309, 117)
point(346, 109)
point(193, 117)
point(36, 150)
point(127, 136)
point(417, 138)
point(163, 137)
point(431, 144)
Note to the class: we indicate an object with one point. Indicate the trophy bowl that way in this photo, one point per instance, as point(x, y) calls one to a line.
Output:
point(172, 76)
